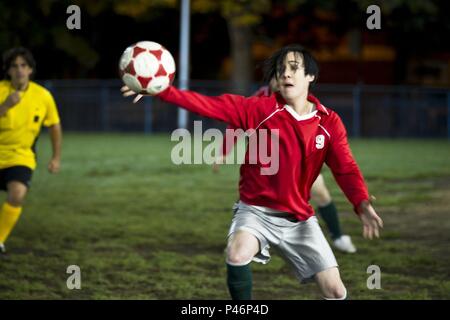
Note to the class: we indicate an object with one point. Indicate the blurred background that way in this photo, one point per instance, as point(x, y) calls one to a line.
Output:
point(388, 82)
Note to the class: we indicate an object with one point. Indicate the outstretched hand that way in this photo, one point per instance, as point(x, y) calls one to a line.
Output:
point(372, 223)
point(127, 92)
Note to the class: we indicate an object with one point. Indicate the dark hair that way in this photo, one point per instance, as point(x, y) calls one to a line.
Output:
point(274, 65)
point(12, 54)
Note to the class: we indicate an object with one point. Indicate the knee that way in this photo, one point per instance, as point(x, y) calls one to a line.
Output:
point(242, 247)
point(16, 197)
point(322, 198)
point(237, 257)
point(336, 292)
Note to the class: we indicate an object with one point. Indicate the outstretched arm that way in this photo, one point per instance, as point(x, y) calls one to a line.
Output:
point(350, 180)
point(233, 109)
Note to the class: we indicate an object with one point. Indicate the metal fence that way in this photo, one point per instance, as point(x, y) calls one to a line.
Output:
point(367, 111)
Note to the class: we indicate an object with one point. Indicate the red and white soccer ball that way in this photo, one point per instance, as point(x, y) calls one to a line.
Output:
point(147, 67)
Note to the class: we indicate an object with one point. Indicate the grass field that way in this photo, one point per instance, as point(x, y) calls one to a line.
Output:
point(140, 227)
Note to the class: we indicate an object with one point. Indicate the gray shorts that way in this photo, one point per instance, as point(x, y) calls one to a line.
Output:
point(301, 243)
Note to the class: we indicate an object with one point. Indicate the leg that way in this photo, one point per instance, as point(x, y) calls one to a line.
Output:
point(16, 193)
point(11, 209)
point(242, 247)
point(330, 284)
point(319, 192)
point(305, 247)
point(321, 196)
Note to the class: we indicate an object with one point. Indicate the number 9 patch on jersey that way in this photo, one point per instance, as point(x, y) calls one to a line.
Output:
point(320, 141)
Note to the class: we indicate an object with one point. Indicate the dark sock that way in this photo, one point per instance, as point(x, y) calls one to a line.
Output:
point(239, 281)
point(330, 216)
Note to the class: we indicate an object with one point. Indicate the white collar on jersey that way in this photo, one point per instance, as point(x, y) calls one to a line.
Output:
point(300, 117)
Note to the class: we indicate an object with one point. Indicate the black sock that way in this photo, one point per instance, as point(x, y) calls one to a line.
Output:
point(239, 281)
point(330, 216)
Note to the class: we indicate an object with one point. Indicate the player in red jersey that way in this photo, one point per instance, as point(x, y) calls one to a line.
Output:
point(273, 209)
point(320, 195)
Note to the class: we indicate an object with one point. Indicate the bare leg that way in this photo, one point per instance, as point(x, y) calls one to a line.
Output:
point(330, 284)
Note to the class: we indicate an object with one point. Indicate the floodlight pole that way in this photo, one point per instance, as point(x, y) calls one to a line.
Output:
point(184, 57)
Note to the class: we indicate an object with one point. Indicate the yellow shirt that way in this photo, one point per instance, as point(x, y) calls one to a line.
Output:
point(20, 126)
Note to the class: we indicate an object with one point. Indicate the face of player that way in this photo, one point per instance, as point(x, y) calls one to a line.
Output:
point(20, 72)
point(292, 81)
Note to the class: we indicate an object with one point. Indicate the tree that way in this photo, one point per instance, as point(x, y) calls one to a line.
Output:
point(240, 15)
point(413, 21)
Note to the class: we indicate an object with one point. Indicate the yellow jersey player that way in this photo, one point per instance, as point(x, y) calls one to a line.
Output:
point(24, 107)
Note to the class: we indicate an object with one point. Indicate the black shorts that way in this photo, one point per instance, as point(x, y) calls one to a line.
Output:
point(16, 173)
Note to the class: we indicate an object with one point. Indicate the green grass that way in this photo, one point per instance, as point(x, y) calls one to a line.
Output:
point(141, 227)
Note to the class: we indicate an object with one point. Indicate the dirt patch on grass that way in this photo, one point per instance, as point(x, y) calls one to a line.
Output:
point(421, 230)
point(424, 221)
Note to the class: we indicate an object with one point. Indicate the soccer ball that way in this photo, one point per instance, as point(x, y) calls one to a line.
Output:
point(147, 67)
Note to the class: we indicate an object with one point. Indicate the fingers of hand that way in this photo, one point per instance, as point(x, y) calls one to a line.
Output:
point(128, 93)
point(138, 97)
point(13, 99)
point(375, 221)
point(366, 231)
point(371, 230)
point(376, 232)
point(53, 167)
point(380, 222)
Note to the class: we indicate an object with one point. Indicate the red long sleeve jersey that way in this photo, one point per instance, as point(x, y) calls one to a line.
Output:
point(228, 146)
point(304, 145)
